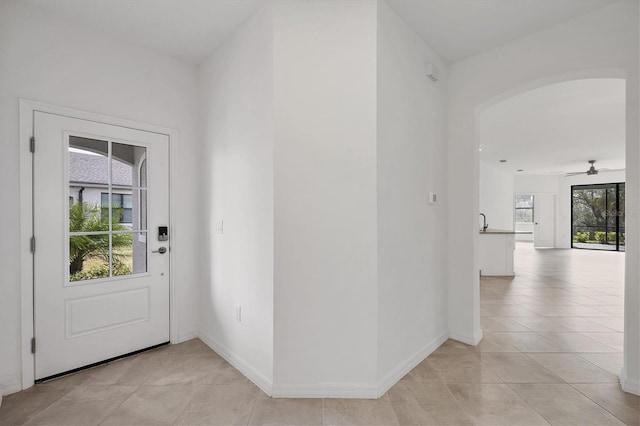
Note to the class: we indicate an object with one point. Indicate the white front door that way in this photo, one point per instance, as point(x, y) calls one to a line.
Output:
point(101, 283)
point(544, 233)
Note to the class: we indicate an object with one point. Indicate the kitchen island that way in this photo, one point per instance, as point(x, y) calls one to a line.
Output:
point(496, 252)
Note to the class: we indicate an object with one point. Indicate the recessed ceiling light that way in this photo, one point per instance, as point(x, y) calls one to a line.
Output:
point(520, 170)
point(503, 161)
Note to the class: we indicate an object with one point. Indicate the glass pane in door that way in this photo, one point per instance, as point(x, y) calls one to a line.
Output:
point(107, 202)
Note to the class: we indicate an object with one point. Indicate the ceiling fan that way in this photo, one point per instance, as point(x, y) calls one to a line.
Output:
point(592, 170)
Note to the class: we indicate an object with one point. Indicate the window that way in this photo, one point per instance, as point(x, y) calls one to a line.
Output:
point(597, 216)
point(121, 205)
point(524, 208)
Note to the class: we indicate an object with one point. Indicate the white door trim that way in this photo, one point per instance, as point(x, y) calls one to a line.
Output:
point(27, 109)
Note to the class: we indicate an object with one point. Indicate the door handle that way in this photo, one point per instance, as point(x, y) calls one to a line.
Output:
point(161, 250)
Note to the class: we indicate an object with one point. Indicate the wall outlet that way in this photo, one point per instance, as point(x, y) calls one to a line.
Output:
point(238, 313)
point(220, 227)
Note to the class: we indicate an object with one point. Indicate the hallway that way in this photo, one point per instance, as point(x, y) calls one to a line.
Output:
point(550, 355)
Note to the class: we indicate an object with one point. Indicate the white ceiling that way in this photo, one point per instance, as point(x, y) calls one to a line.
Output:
point(458, 29)
point(191, 30)
point(557, 129)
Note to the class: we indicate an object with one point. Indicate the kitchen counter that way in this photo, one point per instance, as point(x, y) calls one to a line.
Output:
point(503, 232)
point(496, 249)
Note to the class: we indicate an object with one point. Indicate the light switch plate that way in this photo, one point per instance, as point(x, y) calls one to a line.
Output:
point(433, 197)
point(220, 227)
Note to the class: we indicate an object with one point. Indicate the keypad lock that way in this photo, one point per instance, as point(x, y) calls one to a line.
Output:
point(163, 233)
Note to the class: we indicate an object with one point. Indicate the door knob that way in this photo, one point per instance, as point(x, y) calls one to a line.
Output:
point(161, 250)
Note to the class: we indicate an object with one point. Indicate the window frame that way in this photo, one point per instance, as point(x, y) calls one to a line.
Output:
point(532, 208)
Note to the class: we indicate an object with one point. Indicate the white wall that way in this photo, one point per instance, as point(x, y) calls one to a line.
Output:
point(236, 101)
point(601, 43)
point(496, 197)
point(325, 299)
point(412, 240)
point(60, 62)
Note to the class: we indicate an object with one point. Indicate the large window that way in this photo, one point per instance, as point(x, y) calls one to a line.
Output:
point(524, 208)
point(597, 216)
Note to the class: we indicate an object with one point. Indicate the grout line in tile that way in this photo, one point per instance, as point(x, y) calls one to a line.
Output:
point(594, 401)
point(527, 402)
point(119, 405)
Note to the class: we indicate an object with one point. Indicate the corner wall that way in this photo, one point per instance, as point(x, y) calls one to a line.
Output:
point(236, 162)
point(411, 162)
point(325, 297)
point(48, 59)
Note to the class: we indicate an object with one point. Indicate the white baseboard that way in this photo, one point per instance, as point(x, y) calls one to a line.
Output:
point(469, 340)
point(628, 384)
point(241, 365)
point(9, 385)
point(326, 390)
point(183, 337)
point(392, 377)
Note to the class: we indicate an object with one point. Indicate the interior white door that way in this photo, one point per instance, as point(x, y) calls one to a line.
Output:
point(544, 233)
point(101, 281)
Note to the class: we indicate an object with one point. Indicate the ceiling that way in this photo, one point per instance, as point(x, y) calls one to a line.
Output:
point(458, 29)
point(191, 30)
point(557, 129)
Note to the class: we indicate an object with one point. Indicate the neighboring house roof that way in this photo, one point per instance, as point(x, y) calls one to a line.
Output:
point(93, 169)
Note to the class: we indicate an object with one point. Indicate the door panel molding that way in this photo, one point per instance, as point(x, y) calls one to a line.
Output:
point(28, 108)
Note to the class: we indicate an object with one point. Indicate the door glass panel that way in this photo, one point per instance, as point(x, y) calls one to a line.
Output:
point(105, 197)
point(129, 253)
point(88, 257)
point(88, 172)
point(126, 165)
point(134, 209)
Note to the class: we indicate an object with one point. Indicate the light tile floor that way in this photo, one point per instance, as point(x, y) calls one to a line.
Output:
point(550, 355)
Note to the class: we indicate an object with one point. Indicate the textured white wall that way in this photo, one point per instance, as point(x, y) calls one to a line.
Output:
point(412, 239)
point(61, 62)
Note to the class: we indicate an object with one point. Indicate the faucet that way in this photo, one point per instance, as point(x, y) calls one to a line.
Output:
point(484, 222)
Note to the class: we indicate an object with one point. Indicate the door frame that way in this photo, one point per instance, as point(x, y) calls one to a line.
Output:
point(27, 110)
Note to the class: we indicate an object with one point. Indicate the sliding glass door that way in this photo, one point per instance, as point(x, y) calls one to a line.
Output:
point(597, 216)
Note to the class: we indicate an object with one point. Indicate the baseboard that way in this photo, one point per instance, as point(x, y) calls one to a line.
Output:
point(392, 377)
point(9, 385)
point(241, 365)
point(326, 390)
point(183, 337)
point(629, 385)
point(469, 340)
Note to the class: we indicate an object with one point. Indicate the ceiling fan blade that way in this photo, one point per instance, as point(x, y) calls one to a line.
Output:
point(574, 174)
point(611, 170)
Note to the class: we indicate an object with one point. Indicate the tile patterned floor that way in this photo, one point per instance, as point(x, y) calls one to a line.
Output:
point(551, 355)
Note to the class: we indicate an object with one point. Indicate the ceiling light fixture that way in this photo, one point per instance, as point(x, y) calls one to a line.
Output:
point(503, 161)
